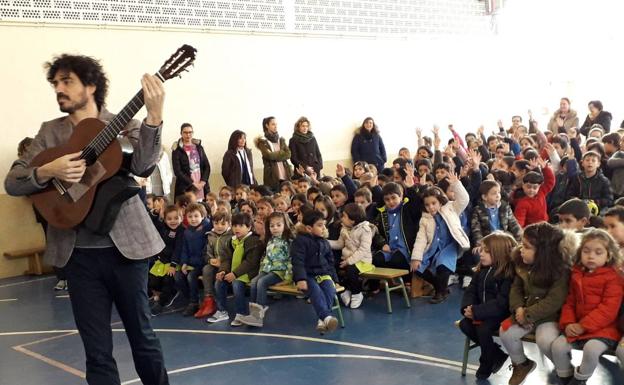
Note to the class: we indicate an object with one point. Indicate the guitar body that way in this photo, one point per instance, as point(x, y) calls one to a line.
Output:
point(60, 210)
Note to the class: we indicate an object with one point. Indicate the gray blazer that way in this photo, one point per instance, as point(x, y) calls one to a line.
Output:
point(133, 232)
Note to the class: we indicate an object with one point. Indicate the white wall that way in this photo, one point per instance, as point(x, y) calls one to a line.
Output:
point(239, 79)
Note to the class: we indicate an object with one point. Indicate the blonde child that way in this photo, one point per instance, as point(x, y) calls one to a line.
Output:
point(486, 300)
point(275, 267)
point(537, 294)
point(440, 238)
point(589, 315)
point(356, 237)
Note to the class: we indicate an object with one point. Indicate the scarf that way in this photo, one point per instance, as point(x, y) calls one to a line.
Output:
point(272, 137)
point(368, 135)
point(303, 138)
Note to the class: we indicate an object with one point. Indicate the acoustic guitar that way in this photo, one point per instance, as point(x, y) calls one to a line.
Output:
point(105, 185)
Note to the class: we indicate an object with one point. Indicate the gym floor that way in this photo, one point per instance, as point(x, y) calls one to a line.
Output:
point(420, 345)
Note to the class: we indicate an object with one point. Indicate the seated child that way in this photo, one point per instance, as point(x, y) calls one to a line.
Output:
point(161, 282)
point(274, 268)
point(238, 270)
point(217, 249)
point(537, 294)
point(573, 215)
point(192, 256)
point(355, 241)
point(486, 300)
point(440, 239)
point(589, 315)
point(531, 199)
point(313, 269)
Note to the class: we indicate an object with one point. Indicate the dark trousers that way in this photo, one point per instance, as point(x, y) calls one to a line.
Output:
point(482, 335)
point(439, 280)
point(97, 279)
point(165, 285)
point(352, 280)
point(188, 284)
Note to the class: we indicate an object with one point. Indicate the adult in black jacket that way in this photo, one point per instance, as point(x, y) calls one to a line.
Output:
point(304, 150)
point(237, 166)
point(182, 166)
point(368, 146)
point(596, 116)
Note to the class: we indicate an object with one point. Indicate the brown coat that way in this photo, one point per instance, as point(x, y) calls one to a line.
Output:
point(270, 160)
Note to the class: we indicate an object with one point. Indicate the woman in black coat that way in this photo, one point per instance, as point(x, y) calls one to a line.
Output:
point(182, 151)
point(596, 116)
point(237, 166)
point(304, 150)
point(368, 146)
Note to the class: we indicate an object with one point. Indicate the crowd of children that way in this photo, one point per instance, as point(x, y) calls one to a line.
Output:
point(526, 218)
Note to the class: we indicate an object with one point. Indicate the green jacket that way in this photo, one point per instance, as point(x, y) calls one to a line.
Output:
point(542, 304)
point(254, 249)
point(270, 160)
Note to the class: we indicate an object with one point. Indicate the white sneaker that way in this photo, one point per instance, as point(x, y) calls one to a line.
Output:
point(331, 323)
point(453, 279)
point(466, 282)
point(356, 300)
point(220, 315)
point(320, 326)
point(345, 296)
point(237, 320)
point(61, 285)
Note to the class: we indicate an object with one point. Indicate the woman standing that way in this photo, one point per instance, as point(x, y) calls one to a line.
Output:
point(564, 118)
point(303, 147)
point(596, 115)
point(368, 146)
point(275, 155)
point(190, 163)
point(237, 166)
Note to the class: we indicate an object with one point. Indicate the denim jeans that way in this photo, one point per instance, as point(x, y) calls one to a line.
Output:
point(188, 284)
point(99, 278)
point(321, 295)
point(240, 301)
point(259, 286)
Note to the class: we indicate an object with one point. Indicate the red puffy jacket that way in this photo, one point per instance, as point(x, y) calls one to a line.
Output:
point(593, 301)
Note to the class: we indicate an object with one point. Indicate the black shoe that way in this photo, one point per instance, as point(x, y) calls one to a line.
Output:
point(565, 380)
point(499, 360)
point(176, 302)
point(156, 309)
point(483, 373)
point(575, 381)
point(190, 309)
point(440, 297)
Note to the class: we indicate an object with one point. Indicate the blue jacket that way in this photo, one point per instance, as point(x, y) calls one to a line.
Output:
point(194, 245)
point(311, 256)
point(369, 149)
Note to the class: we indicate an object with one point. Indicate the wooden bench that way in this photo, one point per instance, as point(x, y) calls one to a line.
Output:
point(386, 275)
point(35, 266)
point(469, 345)
point(291, 289)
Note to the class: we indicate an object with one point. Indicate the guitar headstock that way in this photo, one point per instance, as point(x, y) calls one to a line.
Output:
point(177, 63)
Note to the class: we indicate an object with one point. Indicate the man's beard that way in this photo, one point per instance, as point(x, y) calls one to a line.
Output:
point(73, 107)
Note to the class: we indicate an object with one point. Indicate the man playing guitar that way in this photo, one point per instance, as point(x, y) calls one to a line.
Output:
point(102, 269)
